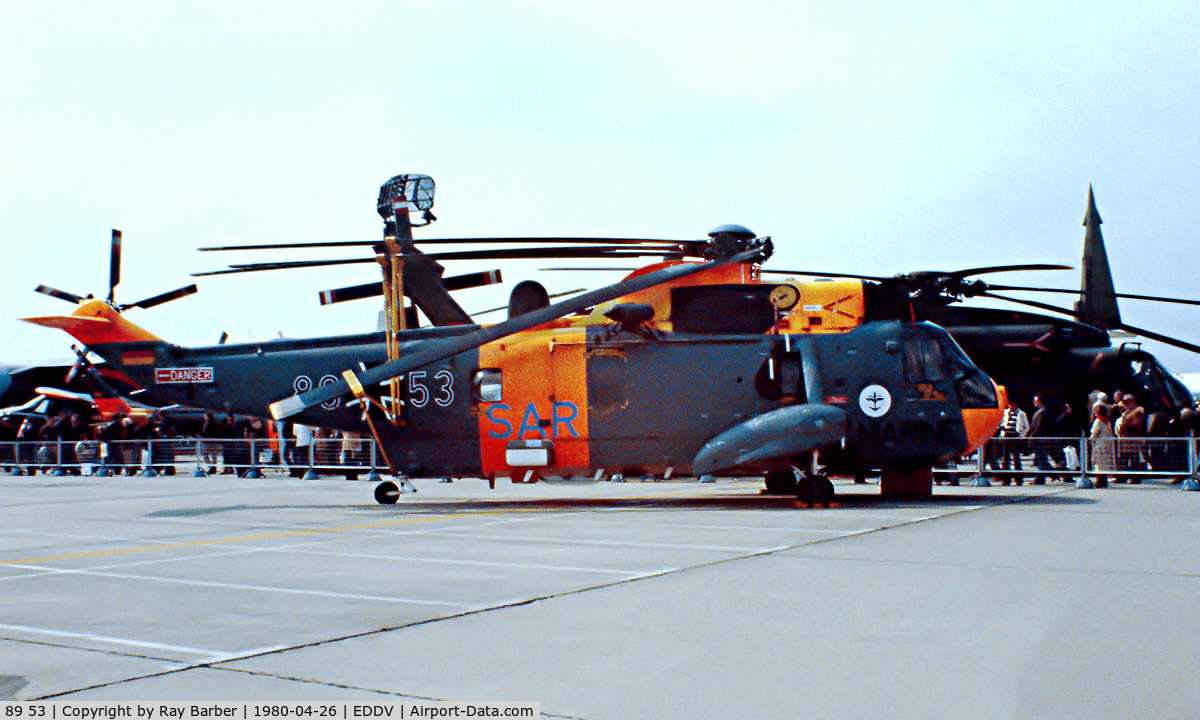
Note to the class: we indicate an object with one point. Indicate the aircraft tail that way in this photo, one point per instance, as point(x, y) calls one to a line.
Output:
point(1097, 297)
point(95, 323)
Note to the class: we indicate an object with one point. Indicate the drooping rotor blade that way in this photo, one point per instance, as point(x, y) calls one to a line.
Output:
point(591, 269)
point(60, 294)
point(602, 251)
point(1005, 268)
point(434, 350)
point(505, 307)
point(467, 241)
point(1165, 339)
point(258, 267)
point(164, 297)
point(114, 264)
point(1068, 291)
point(815, 273)
point(491, 254)
point(375, 289)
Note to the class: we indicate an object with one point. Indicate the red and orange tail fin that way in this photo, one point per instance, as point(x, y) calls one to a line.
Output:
point(95, 322)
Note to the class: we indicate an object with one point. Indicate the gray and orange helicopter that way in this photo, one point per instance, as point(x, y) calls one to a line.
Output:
point(691, 365)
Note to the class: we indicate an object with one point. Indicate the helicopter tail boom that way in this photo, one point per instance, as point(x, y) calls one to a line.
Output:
point(95, 322)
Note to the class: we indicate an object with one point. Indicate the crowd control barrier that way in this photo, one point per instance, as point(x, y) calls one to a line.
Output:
point(194, 456)
point(1000, 460)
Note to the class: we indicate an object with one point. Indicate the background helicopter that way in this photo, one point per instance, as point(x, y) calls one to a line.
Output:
point(614, 387)
point(1063, 359)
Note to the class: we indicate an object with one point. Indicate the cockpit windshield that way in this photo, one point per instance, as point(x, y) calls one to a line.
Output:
point(935, 357)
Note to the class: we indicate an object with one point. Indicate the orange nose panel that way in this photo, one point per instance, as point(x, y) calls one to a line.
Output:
point(981, 423)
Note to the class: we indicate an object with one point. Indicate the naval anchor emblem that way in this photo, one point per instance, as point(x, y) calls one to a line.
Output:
point(875, 401)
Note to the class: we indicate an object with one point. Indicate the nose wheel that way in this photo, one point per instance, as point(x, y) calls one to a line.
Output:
point(814, 489)
point(387, 493)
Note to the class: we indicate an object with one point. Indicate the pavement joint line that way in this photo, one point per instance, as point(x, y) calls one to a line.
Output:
point(245, 538)
point(98, 651)
point(110, 640)
point(520, 603)
point(260, 588)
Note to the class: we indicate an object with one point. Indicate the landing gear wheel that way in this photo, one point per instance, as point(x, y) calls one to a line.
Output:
point(815, 490)
point(780, 482)
point(387, 493)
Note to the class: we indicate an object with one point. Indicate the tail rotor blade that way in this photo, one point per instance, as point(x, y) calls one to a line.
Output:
point(60, 294)
point(114, 264)
point(164, 297)
point(353, 292)
point(472, 280)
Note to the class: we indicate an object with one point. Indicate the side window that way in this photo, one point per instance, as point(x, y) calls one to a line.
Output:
point(486, 385)
point(781, 376)
point(923, 360)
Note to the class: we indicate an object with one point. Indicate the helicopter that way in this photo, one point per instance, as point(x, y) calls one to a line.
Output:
point(1061, 358)
point(682, 367)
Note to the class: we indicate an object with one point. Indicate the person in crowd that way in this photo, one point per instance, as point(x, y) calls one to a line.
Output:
point(8, 435)
point(1102, 440)
point(69, 432)
point(304, 441)
point(210, 444)
point(1130, 428)
point(1013, 428)
point(1041, 427)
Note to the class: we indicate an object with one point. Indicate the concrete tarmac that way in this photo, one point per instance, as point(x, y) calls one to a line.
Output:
point(638, 600)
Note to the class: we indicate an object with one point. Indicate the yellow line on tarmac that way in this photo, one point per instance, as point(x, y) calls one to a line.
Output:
point(246, 538)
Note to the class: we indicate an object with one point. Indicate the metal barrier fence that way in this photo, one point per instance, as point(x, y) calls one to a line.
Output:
point(1081, 460)
point(197, 456)
point(1005, 460)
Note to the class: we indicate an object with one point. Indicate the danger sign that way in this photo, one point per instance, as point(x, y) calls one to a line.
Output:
point(168, 376)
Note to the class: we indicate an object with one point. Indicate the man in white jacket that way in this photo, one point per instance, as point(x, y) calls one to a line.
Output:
point(1014, 425)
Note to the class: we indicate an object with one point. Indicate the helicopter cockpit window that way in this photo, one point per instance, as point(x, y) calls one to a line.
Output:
point(975, 390)
point(486, 385)
point(923, 360)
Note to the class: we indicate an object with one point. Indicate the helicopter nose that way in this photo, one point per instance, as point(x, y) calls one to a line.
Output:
point(981, 423)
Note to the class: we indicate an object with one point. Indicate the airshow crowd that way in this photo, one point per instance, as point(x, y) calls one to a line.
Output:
point(1114, 437)
point(215, 442)
point(1122, 439)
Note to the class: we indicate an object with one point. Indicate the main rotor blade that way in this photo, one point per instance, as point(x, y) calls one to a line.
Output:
point(60, 294)
point(505, 307)
point(258, 267)
point(465, 241)
point(1165, 339)
point(434, 350)
point(114, 264)
point(491, 254)
point(375, 289)
point(593, 269)
point(1006, 268)
point(164, 297)
point(1067, 291)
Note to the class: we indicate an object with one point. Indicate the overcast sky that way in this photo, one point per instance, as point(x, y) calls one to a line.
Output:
point(863, 137)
